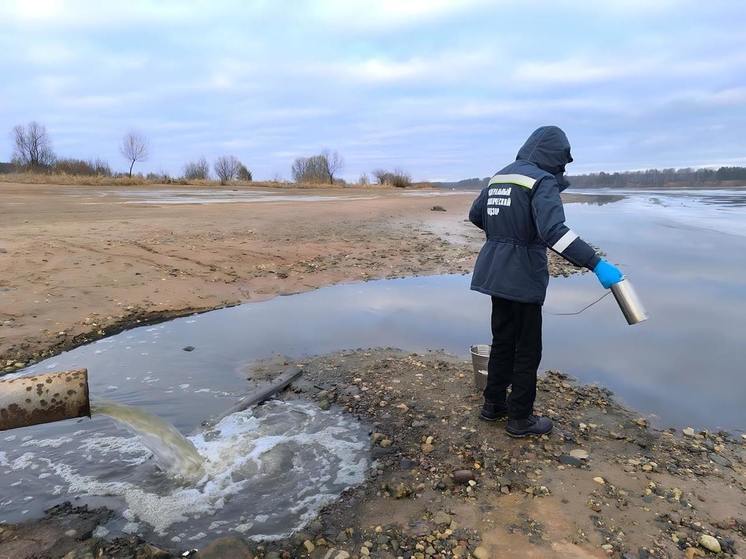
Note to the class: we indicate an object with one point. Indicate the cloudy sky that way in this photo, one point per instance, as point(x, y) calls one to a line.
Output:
point(443, 89)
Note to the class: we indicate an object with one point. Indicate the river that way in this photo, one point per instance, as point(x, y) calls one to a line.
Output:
point(270, 470)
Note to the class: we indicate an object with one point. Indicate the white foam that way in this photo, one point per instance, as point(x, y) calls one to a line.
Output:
point(22, 462)
point(48, 443)
point(289, 451)
point(108, 445)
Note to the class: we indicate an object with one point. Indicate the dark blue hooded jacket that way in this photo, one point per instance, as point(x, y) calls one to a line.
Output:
point(521, 212)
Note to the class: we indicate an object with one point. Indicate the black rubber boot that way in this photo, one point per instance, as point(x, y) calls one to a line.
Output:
point(493, 412)
point(533, 425)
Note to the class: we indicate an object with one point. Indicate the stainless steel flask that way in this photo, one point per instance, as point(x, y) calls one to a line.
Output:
point(629, 302)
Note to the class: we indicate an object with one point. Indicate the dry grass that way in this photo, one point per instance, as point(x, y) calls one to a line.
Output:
point(64, 179)
point(78, 180)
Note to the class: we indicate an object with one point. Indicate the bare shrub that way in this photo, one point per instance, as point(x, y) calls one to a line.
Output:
point(134, 148)
point(197, 170)
point(80, 167)
point(226, 168)
point(32, 147)
point(161, 176)
point(397, 178)
point(363, 180)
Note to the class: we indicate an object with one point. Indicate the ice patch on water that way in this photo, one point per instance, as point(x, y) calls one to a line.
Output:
point(282, 461)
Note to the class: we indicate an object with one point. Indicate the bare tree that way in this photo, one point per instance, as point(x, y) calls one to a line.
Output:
point(334, 163)
point(134, 148)
point(317, 168)
point(310, 169)
point(32, 146)
point(226, 168)
point(197, 170)
point(298, 169)
point(243, 173)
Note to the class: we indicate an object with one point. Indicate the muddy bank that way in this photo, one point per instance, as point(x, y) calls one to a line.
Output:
point(603, 484)
point(81, 263)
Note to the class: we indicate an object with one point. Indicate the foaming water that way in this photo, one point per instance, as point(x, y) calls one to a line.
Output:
point(173, 452)
point(263, 473)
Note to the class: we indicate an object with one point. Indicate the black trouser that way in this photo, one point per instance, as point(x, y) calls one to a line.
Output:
point(515, 355)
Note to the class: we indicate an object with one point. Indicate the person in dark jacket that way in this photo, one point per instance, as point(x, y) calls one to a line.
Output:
point(521, 212)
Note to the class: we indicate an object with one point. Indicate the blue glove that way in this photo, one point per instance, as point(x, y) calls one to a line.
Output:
point(607, 274)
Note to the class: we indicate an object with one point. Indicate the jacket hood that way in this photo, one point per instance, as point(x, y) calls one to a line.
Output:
point(549, 149)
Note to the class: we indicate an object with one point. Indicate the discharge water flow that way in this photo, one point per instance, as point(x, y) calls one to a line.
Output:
point(173, 452)
point(261, 473)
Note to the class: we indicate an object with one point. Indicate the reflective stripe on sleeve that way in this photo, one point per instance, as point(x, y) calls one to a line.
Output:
point(565, 241)
point(520, 180)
